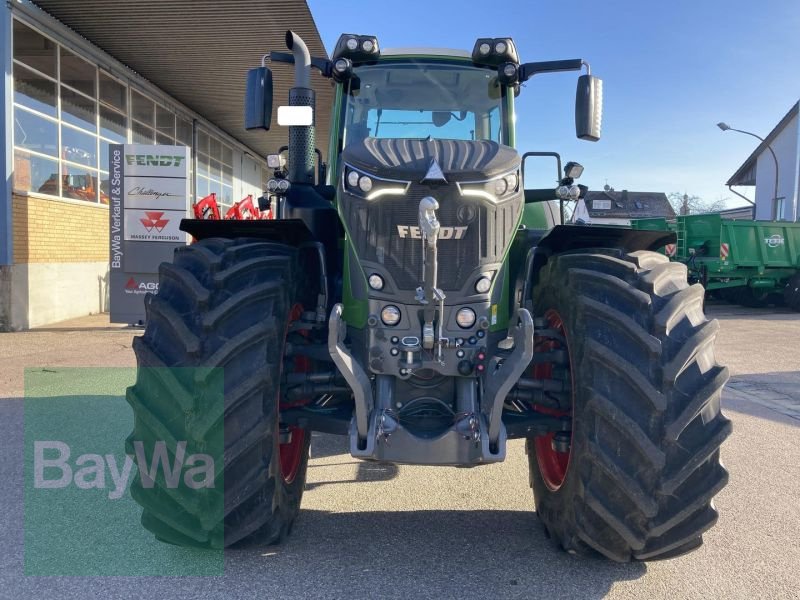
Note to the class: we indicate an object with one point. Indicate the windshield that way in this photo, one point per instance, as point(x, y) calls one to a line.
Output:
point(440, 101)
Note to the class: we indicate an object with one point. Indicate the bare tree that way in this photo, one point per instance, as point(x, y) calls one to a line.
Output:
point(686, 204)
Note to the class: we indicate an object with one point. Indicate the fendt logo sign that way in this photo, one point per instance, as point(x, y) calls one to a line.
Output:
point(445, 233)
point(774, 241)
point(154, 160)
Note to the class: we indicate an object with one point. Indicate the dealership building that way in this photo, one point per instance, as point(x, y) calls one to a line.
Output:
point(82, 75)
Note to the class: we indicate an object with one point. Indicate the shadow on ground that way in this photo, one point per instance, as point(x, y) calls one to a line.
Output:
point(482, 553)
point(325, 446)
point(772, 396)
point(724, 311)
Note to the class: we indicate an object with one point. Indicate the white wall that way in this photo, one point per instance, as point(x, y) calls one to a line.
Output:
point(44, 293)
point(787, 150)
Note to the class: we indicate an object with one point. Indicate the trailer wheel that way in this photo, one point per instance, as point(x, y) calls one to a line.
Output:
point(791, 293)
point(751, 298)
point(209, 373)
point(635, 478)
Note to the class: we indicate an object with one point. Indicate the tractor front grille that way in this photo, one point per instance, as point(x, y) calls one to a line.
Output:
point(373, 227)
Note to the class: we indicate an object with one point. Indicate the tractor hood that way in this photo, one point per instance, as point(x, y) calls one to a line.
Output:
point(410, 159)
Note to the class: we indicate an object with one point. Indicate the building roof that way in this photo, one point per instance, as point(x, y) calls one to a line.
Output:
point(746, 213)
point(746, 174)
point(628, 205)
point(199, 51)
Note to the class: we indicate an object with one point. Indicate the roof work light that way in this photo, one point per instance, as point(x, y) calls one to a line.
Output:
point(358, 48)
point(493, 52)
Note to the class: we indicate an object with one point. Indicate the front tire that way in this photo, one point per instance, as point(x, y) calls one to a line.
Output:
point(210, 365)
point(642, 465)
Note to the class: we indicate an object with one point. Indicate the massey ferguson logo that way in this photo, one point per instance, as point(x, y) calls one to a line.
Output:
point(774, 241)
point(445, 233)
point(140, 287)
point(153, 220)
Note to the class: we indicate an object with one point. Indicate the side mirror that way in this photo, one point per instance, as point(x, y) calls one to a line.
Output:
point(589, 108)
point(258, 99)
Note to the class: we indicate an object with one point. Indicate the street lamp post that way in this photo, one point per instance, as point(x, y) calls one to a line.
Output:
point(726, 127)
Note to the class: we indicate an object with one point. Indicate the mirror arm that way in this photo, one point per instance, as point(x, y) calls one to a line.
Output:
point(323, 65)
point(528, 70)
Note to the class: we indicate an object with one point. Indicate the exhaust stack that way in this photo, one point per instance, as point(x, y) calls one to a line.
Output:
point(301, 138)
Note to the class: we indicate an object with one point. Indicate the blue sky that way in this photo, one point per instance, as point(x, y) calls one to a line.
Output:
point(671, 71)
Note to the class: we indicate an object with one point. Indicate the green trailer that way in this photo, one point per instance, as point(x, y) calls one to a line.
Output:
point(753, 263)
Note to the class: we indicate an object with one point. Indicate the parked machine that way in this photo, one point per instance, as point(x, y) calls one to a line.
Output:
point(752, 263)
point(424, 304)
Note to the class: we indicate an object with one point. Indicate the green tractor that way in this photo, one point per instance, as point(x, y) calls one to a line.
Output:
point(414, 297)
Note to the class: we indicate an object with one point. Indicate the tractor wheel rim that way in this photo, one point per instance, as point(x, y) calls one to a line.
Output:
point(291, 453)
point(553, 465)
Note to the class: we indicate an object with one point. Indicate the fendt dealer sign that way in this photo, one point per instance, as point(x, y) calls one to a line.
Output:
point(149, 195)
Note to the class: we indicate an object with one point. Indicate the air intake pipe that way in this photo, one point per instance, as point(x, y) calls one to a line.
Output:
point(301, 138)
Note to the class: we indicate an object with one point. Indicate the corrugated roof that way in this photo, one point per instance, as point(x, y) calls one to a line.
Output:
point(628, 205)
point(198, 51)
point(746, 174)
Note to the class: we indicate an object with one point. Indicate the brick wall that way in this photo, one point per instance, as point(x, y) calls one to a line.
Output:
point(49, 231)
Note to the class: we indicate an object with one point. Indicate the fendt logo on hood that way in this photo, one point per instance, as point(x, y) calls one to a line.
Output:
point(141, 287)
point(445, 233)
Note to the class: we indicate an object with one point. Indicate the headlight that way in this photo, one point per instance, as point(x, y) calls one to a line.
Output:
point(500, 47)
point(390, 315)
point(283, 185)
point(483, 285)
point(368, 46)
point(493, 190)
point(370, 187)
point(484, 48)
point(352, 44)
point(272, 185)
point(465, 317)
point(376, 282)
point(512, 180)
point(364, 183)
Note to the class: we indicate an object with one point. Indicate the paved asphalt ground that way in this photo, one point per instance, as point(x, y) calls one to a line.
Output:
point(371, 531)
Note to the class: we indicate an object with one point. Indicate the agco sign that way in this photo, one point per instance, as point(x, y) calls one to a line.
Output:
point(141, 287)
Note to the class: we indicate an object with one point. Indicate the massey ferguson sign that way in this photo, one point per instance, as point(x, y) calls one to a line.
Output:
point(149, 195)
point(154, 226)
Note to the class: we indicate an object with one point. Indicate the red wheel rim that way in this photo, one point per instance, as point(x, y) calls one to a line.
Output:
point(291, 452)
point(553, 465)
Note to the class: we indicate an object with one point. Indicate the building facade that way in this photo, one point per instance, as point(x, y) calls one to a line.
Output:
point(65, 101)
point(759, 170)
